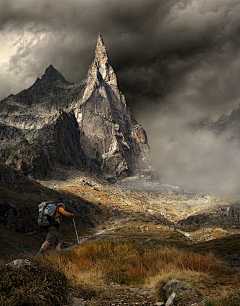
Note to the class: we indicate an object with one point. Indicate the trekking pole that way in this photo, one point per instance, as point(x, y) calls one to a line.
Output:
point(76, 230)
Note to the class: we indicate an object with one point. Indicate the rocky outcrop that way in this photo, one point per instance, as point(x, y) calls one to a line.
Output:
point(86, 125)
point(175, 290)
point(43, 149)
point(113, 142)
point(234, 211)
point(226, 125)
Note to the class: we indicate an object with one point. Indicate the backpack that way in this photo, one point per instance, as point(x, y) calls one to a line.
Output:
point(46, 210)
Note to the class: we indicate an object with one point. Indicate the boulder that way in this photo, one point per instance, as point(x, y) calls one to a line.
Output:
point(181, 289)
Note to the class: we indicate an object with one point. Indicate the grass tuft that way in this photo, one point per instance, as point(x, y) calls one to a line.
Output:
point(27, 286)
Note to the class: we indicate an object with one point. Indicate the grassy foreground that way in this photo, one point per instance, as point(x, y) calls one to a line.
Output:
point(100, 263)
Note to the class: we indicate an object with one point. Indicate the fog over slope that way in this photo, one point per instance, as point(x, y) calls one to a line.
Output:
point(177, 63)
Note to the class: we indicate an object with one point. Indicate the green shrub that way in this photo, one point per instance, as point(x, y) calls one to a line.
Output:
point(209, 303)
point(42, 286)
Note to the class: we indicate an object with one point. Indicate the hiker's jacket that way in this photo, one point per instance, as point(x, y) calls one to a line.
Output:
point(57, 217)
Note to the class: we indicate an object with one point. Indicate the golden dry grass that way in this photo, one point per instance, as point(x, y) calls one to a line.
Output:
point(144, 265)
point(131, 263)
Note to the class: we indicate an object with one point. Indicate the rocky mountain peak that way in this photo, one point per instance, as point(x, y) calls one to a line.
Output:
point(50, 76)
point(112, 141)
point(88, 125)
point(101, 55)
point(99, 71)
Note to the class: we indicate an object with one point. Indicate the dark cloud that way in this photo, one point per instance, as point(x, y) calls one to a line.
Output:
point(155, 47)
point(178, 57)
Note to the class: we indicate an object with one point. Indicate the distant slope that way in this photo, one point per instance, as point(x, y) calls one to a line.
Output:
point(227, 125)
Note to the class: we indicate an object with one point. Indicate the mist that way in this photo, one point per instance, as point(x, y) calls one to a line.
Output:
point(190, 157)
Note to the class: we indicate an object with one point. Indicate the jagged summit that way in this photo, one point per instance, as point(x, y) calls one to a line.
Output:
point(50, 76)
point(51, 89)
point(101, 55)
point(99, 71)
point(113, 142)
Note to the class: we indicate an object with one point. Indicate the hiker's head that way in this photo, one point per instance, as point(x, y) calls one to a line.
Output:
point(61, 205)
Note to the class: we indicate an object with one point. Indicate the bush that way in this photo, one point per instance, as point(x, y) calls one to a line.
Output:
point(27, 286)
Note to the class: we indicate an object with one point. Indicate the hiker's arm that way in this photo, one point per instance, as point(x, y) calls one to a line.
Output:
point(65, 213)
point(69, 215)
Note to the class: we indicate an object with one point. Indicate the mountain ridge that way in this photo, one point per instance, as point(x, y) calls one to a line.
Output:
point(102, 133)
point(226, 125)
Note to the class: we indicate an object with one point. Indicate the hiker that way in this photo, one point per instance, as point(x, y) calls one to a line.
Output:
point(52, 233)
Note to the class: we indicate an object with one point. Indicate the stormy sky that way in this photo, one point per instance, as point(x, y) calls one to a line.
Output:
point(177, 63)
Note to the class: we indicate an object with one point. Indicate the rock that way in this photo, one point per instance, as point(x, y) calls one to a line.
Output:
point(146, 292)
point(179, 288)
point(22, 263)
point(102, 114)
point(171, 299)
point(234, 211)
point(159, 304)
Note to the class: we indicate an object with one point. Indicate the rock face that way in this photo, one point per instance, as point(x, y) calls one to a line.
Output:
point(111, 138)
point(88, 125)
point(234, 211)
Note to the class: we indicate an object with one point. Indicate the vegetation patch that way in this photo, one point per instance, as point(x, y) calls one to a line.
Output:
point(89, 271)
point(40, 286)
point(232, 299)
point(130, 263)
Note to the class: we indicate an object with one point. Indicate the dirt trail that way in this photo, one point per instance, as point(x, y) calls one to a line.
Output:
point(116, 295)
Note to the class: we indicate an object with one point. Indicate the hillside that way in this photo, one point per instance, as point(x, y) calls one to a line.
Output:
point(19, 201)
point(133, 243)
